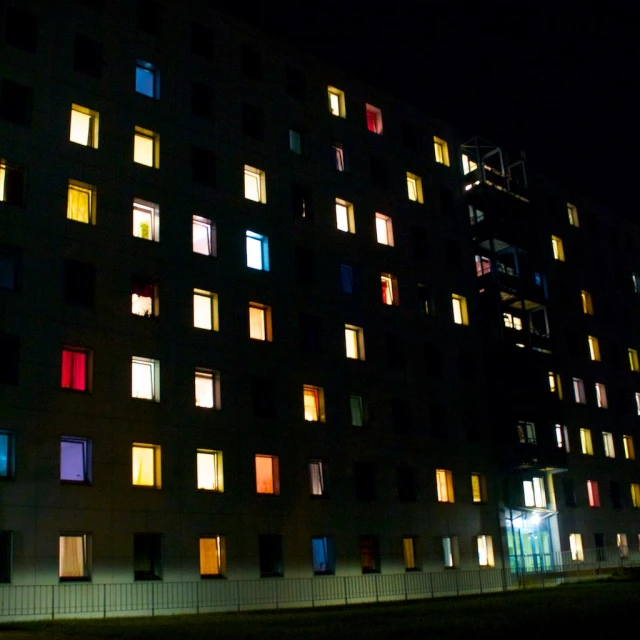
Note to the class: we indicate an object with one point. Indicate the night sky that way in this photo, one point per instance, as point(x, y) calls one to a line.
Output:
point(559, 84)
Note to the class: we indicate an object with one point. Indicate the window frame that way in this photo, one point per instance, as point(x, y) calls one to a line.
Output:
point(266, 330)
point(558, 248)
point(216, 473)
point(317, 478)
point(416, 181)
point(156, 466)
point(259, 181)
point(374, 119)
point(357, 342)
point(213, 378)
point(92, 127)
point(478, 488)
point(444, 486)
point(389, 285)
point(77, 213)
point(86, 374)
point(220, 559)
point(210, 323)
point(459, 310)
point(154, 370)
point(384, 230)
point(586, 441)
point(142, 134)
point(251, 237)
point(346, 211)
point(147, 67)
point(85, 570)
point(441, 151)
point(337, 106)
point(484, 544)
point(87, 462)
point(316, 394)
point(273, 483)
point(8, 468)
point(150, 210)
point(211, 236)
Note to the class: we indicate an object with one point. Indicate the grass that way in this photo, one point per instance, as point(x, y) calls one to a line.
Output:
point(536, 613)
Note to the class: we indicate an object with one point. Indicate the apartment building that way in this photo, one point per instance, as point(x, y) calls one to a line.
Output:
point(259, 320)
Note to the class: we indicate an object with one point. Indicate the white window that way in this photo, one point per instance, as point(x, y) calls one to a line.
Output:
point(575, 544)
point(562, 437)
point(145, 465)
point(444, 485)
point(205, 310)
point(144, 298)
point(441, 150)
point(485, 551)
point(637, 396)
point(586, 444)
point(260, 322)
point(459, 306)
point(601, 395)
point(146, 220)
point(336, 102)
point(209, 470)
point(354, 342)
point(414, 187)
point(255, 186)
point(145, 379)
point(468, 165)
point(344, 216)
point(204, 236)
point(512, 321)
point(622, 544)
point(317, 477)
point(146, 148)
point(450, 551)
point(572, 211)
point(338, 154)
point(207, 388)
point(73, 556)
point(384, 229)
point(578, 391)
point(257, 251)
point(84, 126)
point(534, 493)
point(609, 447)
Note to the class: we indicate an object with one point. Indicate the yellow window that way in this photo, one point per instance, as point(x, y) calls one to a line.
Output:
point(459, 306)
point(146, 465)
point(444, 485)
point(146, 148)
point(313, 403)
point(259, 322)
point(441, 150)
point(558, 248)
point(414, 187)
point(81, 202)
point(594, 348)
point(409, 550)
point(84, 126)
point(587, 302)
point(212, 556)
point(336, 102)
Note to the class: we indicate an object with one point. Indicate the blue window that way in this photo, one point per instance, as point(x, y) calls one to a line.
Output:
point(257, 251)
point(346, 278)
point(324, 557)
point(147, 80)
point(6, 454)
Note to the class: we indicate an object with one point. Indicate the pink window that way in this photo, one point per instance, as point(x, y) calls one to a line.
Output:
point(74, 370)
point(374, 119)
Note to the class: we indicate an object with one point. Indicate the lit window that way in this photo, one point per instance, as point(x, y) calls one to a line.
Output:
point(267, 476)
point(257, 251)
point(601, 395)
point(527, 432)
point(205, 310)
point(75, 369)
point(84, 126)
point(295, 141)
point(629, 450)
point(75, 460)
point(356, 408)
point(338, 155)
point(468, 165)
point(441, 150)
point(635, 495)
point(12, 181)
point(313, 403)
point(558, 249)
point(534, 493)
point(578, 391)
point(622, 544)
point(572, 211)
point(414, 187)
point(384, 229)
point(7, 454)
point(317, 477)
point(389, 286)
point(354, 342)
point(409, 550)
point(475, 215)
point(478, 487)
point(637, 395)
point(575, 544)
point(587, 302)
point(485, 551)
point(255, 186)
point(324, 555)
point(594, 493)
point(73, 560)
point(512, 321)
point(555, 384)
point(145, 379)
point(336, 102)
point(459, 306)
point(145, 465)
point(144, 298)
point(344, 216)
point(210, 471)
point(444, 485)
point(483, 266)
point(562, 437)
point(260, 322)
point(213, 557)
point(146, 220)
point(369, 554)
point(594, 348)
point(634, 363)
point(586, 444)
point(146, 148)
point(609, 447)
point(450, 552)
point(147, 80)
point(81, 200)
point(204, 236)
point(374, 119)
point(207, 387)
point(634, 276)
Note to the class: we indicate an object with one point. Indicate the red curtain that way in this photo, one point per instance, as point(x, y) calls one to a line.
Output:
point(142, 289)
point(74, 370)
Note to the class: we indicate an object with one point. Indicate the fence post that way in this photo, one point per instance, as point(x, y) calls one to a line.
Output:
point(406, 590)
point(375, 581)
point(457, 584)
point(238, 593)
point(153, 599)
point(480, 576)
point(277, 601)
point(431, 583)
point(197, 597)
point(53, 601)
point(313, 592)
point(104, 600)
point(346, 599)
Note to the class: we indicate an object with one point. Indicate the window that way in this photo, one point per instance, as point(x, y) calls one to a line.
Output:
point(302, 202)
point(260, 322)
point(146, 148)
point(569, 490)
point(594, 493)
point(338, 156)
point(369, 554)
point(202, 105)
point(144, 298)
point(622, 544)
point(203, 166)
point(146, 220)
point(587, 302)
point(441, 150)
point(558, 249)
point(512, 321)
point(410, 552)
point(578, 391)
point(147, 556)
point(629, 449)
point(475, 215)
point(209, 470)
point(637, 396)
point(414, 187)
point(450, 552)
point(76, 366)
point(145, 465)
point(213, 557)
point(6, 556)
point(149, 16)
point(336, 102)
point(586, 443)
point(267, 475)
point(615, 494)
point(12, 181)
point(354, 342)
point(79, 283)
point(389, 286)
point(74, 557)
point(444, 485)
point(313, 403)
point(207, 387)
point(572, 211)
point(562, 437)
point(601, 395)
point(202, 41)
point(84, 126)
point(252, 121)
point(406, 482)
point(478, 487)
point(7, 454)
point(257, 251)
point(324, 555)
point(147, 80)
point(270, 555)
point(634, 363)
point(636, 282)
point(575, 544)
point(468, 165)
point(485, 551)
point(384, 230)
point(75, 460)
point(635, 495)
point(145, 379)
point(295, 141)
point(87, 56)
point(21, 29)
point(609, 448)
point(346, 278)
point(204, 237)
point(459, 306)
point(534, 493)
point(594, 348)
point(527, 432)
point(555, 384)
point(81, 199)
point(318, 477)
point(483, 266)
point(374, 119)
point(365, 481)
point(205, 310)
point(10, 361)
point(255, 186)
point(344, 216)
point(356, 408)
point(263, 397)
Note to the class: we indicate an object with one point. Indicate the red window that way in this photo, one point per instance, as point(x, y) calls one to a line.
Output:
point(74, 369)
point(372, 122)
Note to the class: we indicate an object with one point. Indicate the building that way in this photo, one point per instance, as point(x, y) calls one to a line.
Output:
point(260, 320)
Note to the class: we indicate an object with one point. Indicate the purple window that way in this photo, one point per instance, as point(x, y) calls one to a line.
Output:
point(75, 460)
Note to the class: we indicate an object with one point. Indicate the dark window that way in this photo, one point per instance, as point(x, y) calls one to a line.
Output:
point(296, 83)
point(201, 100)
point(438, 420)
point(16, 102)
point(149, 17)
point(10, 267)
point(369, 554)
point(270, 555)
point(95, 5)
point(21, 29)
point(616, 495)
point(365, 479)
point(6, 555)
point(324, 555)
point(395, 351)
point(251, 62)
point(203, 166)
point(379, 176)
point(202, 40)
point(400, 419)
point(9, 359)
point(79, 283)
point(406, 484)
point(346, 278)
point(263, 397)
point(147, 556)
point(411, 137)
point(569, 489)
point(252, 121)
point(87, 56)
point(302, 202)
point(297, 141)
point(598, 538)
point(466, 366)
point(426, 304)
point(310, 333)
point(305, 261)
point(453, 255)
point(446, 201)
point(433, 360)
point(420, 243)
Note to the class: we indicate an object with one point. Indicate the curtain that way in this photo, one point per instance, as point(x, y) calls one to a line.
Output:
point(409, 553)
point(142, 288)
point(143, 466)
point(387, 291)
point(372, 121)
point(210, 556)
point(79, 204)
point(317, 478)
point(264, 474)
point(72, 556)
point(74, 368)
